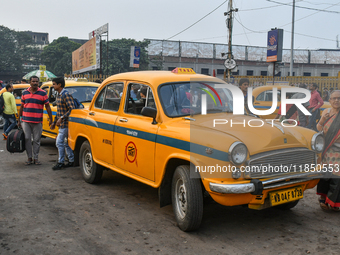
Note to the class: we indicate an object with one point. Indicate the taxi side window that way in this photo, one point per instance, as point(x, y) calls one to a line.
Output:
point(261, 96)
point(17, 93)
point(139, 96)
point(109, 98)
point(53, 95)
point(100, 99)
point(112, 98)
point(268, 96)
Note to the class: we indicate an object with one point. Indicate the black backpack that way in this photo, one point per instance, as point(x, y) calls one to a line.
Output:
point(2, 103)
point(16, 141)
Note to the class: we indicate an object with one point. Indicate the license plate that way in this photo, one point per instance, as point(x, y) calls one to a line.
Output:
point(286, 195)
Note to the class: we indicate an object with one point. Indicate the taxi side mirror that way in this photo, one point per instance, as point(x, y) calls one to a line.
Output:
point(150, 112)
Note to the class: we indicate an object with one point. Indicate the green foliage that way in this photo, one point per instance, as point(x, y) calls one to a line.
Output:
point(57, 56)
point(119, 56)
point(15, 50)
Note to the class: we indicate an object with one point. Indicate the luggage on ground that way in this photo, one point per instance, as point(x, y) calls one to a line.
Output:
point(16, 141)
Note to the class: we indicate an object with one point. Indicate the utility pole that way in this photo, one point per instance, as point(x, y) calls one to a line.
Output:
point(230, 62)
point(292, 42)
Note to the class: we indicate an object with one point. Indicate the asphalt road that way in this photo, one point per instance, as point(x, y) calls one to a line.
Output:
point(56, 212)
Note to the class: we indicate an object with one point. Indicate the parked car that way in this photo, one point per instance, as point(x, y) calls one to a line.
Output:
point(17, 92)
point(263, 97)
point(165, 142)
point(80, 89)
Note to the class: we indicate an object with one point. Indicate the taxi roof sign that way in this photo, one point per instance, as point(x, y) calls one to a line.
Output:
point(180, 70)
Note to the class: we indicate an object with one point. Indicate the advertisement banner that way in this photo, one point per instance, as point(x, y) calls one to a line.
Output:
point(274, 45)
point(134, 56)
point(86, 58)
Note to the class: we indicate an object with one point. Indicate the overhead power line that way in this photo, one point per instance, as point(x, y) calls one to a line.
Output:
point(303, 7)
point(197, 21)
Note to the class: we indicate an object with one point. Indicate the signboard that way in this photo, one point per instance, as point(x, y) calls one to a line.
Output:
point(274, 45)
point(134, 56)
point(99, 31)
point(42, 67)
point(87, 57)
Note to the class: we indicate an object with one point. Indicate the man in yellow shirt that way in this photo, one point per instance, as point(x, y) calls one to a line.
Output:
point(9, 111)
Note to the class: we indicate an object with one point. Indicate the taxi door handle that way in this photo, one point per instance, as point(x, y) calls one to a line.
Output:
point(92, 113)
point(256, 103)
point(123, 120)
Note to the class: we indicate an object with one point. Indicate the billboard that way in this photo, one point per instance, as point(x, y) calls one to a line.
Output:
point(87, 57)
point(134, 56)
point(274, 45)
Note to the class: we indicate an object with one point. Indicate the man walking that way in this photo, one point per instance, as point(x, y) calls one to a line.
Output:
point(10, 111)
point(315, 102)
point(65, 104)
point(33, 101)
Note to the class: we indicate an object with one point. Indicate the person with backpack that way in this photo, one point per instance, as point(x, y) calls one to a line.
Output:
point(65, 104)
point(9, 110)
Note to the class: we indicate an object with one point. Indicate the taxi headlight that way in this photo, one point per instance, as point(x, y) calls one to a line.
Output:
point(318, 142)
point(238, 153)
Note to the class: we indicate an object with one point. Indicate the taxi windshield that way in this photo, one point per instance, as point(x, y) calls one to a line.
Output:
point(182, 99)
point(83, 93)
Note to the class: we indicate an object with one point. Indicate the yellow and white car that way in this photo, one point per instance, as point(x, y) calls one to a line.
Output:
point(80, 89)
point(163, 141)
point(263, 97)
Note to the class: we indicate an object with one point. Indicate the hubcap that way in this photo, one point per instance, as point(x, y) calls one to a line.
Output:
point(87, 162)
point(181, 198)
point(2, 121)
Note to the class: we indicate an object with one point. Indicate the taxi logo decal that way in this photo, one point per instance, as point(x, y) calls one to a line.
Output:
point(131, 153)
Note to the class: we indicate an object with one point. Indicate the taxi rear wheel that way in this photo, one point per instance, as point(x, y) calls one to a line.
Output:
point(91, 171)
point(187, 199)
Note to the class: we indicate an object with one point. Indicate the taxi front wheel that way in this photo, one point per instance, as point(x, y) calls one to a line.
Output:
point(187, 199)
point(91, 171)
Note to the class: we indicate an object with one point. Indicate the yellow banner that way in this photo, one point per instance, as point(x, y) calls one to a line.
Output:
point(84, 58)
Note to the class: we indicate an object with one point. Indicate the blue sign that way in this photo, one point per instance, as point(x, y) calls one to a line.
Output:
point(274, 45)
point(134, 56)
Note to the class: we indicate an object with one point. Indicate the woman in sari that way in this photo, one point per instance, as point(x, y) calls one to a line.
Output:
point(329, 189)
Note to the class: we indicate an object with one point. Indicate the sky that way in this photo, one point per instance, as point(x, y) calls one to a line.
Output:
point(159, 19)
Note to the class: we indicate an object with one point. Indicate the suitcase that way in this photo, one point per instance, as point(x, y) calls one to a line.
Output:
point(16, 141)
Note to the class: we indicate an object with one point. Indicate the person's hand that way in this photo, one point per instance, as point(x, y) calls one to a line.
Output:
point(313, 110)
point(59, 122)
point(325, 117)
point(49, 122)
point(18, 123)
point(52, 126)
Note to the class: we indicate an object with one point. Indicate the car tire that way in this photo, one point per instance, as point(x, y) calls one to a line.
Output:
point(287, 206)
point(187, 199)
point(91, 171)
point(2, 121)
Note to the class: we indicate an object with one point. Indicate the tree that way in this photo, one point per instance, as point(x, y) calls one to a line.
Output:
point(57, 56)
point(119, 55)
point(15, 50)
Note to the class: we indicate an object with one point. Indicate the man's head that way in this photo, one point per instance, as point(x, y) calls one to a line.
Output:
point(143, 92)
point(34, 81)
point(23, 81)
point(9, 88)
point(58, 83)
point(325, 89)
point(244, 84)
point(303, 86)
point(313, 87)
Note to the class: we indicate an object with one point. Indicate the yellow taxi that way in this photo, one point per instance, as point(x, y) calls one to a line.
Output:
point(80, 89)
point(17, 92)
point(162, 139)
point(263, 97)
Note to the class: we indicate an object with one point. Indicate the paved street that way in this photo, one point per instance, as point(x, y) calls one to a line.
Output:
point(56, 212)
